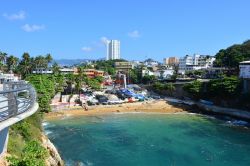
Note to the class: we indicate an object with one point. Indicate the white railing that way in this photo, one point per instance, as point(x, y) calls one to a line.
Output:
point(16, 98)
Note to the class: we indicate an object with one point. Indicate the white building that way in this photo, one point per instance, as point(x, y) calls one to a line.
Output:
point(150, 63)
point(195, 62)
point(245, 69)
point(8, 77)
point(164, 74)
point(245, 75)
point(113, 50)
point(147, 72)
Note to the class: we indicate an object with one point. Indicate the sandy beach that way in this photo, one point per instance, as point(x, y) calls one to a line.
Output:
point(159, 106)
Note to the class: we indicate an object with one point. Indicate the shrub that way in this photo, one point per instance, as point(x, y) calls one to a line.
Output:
point(194, 89)
point(33, 155)
point(225, 87)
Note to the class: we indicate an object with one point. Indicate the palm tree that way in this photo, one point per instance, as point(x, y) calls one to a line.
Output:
point(25, 65)
point(79, 80)
point(55, 68)
point(3, 56)
point(11, 62)
point(40, 63)
point(48, 58)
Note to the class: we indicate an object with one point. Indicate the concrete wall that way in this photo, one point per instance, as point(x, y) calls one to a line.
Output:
point(246, 86)
point(4, 134)
point(178, 92)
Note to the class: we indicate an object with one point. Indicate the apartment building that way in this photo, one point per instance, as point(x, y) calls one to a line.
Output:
point(171, 61)
point(195, 62)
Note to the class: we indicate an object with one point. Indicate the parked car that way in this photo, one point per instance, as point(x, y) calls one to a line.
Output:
point(156, 97)
point(140, 97)
point(120, 95)
point(93, 102)
point(102, 99)
point(115, 101)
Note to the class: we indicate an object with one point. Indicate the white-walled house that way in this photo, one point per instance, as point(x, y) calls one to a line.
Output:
point(150, 63)
point(8, 77)
point(161, 74)
point(195, 62)
point(147, 72)
point(164, 74)
point(245, 69)
point(245, 75)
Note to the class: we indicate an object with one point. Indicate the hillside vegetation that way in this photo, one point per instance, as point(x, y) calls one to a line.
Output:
point(233, 55)
point(25, 144)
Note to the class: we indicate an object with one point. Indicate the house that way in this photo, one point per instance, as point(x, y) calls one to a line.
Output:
point(91, 73)
point(42, 71)
point(123, 67)
point(69, 71)
point(164, 74)
point(8, 77)
point(195, 62)
point(171, 61)
point(245, 75)
point(150, 63)
point(147, 72)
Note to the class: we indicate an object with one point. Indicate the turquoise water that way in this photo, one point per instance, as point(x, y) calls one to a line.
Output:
point(150, 140)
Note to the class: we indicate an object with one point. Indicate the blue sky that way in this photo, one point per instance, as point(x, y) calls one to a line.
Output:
point(146, 28)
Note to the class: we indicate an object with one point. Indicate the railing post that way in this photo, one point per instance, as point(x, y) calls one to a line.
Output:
point(14, 103)
point(11, 102)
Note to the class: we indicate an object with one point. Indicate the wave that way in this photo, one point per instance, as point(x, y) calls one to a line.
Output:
point(45, 124)
point(164, 113)
point(47, 132)
point(78, 163)
point(237, 123)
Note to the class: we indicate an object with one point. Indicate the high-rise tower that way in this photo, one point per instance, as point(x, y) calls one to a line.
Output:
point(113, 50)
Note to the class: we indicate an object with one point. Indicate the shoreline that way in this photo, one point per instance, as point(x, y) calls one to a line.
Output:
point(155, 106)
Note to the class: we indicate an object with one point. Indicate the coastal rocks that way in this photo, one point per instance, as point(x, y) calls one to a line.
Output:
point(54, 158)
point(3, 161)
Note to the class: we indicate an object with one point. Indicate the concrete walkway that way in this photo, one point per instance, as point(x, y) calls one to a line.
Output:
point(238, 113)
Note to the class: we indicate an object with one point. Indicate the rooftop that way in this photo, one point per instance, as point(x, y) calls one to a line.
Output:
point(245, 63)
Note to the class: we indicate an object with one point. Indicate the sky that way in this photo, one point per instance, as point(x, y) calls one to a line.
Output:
point(156, 29)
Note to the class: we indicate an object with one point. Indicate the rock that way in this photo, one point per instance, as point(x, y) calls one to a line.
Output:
point(3, 161)
point(54, 158)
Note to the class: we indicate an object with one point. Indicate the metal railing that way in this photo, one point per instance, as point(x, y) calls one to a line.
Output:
point(16, 98)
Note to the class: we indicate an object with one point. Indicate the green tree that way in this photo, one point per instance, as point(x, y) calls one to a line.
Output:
point(135, 75)
point(3, 57)
point(148, 79)
point(25, 66)
point(11, 62)
point(170, 88)
point(55, 68)
point(234, 54)
point(225, 87)
point(48, 58)
point(194, 89)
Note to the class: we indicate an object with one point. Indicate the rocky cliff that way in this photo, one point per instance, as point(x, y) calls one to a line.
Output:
point(54, 158)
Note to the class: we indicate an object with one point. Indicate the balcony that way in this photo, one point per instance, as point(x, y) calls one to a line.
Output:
point(17, 102)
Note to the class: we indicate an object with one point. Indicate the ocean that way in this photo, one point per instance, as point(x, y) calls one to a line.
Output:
point(143, 139)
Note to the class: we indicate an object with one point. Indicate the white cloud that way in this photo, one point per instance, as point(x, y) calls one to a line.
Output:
point(15, 16)
point(104, 40)
point(134, 34)
point(32, 28)
point(87, 49)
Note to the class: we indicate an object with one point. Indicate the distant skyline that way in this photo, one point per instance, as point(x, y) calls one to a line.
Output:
point(147, 29)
